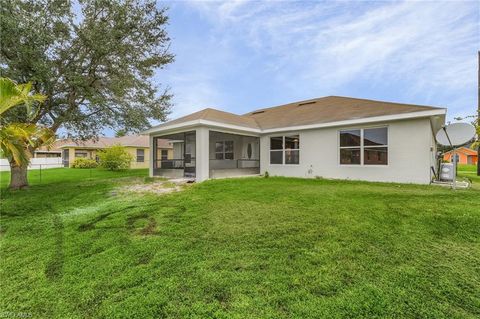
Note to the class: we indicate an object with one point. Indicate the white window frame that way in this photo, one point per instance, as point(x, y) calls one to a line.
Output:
point(283, 150)
point(362, 146)
point(86, 153)
point(141, 156)
point(223, 152)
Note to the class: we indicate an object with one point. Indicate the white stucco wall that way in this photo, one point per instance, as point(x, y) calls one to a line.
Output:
point(410, 147)
point(202, 158)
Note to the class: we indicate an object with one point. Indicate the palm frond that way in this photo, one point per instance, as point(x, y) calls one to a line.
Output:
point(16, 138)
point(12, 94)
point(13, 139)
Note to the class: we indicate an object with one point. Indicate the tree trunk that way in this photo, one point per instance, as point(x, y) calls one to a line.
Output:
point(18, 176)
point(478, 161)
point(18, 173)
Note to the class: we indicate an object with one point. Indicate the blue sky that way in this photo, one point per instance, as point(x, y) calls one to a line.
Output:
point(241, 55)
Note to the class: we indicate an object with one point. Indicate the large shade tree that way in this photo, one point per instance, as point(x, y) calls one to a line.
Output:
point(94, 60)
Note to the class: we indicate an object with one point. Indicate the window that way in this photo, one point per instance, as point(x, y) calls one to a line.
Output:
point(350, 147)
point(52, 155)
point(456, 158)
point(224, 150)
point(375, 142)
point(285, 149)
point(164, 154)
point(188, 153)
point(249, 150)
point(82, 154)
point(364, 146)
point(140, 155)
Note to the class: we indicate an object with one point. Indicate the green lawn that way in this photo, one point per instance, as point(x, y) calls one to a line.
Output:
point(469, 172)
point(62, 175)
point(73, 247)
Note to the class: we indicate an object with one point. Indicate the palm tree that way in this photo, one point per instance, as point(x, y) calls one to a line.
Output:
point(17, 138)
point(13, 94)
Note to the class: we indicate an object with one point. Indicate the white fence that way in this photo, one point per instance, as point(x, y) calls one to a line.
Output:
point(36, 163)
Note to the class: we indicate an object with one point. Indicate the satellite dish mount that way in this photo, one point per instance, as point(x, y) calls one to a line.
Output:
point(453, 135)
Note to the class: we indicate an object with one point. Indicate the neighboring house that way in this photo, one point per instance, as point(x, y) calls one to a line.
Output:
point(331, 137)
point(52, 151)
point(464, 155)
point(137, 145)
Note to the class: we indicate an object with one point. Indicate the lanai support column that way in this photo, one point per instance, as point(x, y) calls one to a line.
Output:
point(153, 151)
point(202, 154)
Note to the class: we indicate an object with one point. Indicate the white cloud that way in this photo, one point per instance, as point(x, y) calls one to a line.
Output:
point(428, 48)
point(193, 96)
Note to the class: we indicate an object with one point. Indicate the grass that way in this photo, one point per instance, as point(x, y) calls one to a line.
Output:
point(239, 248)
point(469, 172)
point(62, 175)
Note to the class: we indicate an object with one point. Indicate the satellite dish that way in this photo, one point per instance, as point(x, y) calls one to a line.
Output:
point(455, 134)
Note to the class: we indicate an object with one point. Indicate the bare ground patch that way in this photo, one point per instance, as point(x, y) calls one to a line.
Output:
point(157, 186)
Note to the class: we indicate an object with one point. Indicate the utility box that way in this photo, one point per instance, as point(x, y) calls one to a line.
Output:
point(446, 172)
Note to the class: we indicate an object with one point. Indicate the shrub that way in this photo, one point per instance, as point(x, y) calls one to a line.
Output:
point(84, 163)
point(114, 158)
point(266, 175)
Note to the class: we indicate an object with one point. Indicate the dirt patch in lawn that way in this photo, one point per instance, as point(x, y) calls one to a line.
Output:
point(157, 187)
point(147, 228)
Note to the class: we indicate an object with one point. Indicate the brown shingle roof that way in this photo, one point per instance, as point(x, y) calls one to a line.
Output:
point(328, 109)
point(56, 147)
point(216, 116)
point(129, 140)
point(315, 111)
point(464, 150)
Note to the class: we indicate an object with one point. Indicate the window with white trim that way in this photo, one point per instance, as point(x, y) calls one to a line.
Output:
point(364, 146)
point(140, 155)
point(224, 150)
point(81, 154)
point(285, 149)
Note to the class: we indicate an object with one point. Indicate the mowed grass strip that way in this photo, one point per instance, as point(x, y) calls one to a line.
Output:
point(66, 175)
point(239, 248)
point(469, 172)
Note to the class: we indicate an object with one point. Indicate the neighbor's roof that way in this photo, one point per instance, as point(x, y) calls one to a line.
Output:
point(55, 148)
point(315, 111)
point(129, 140)
point(464, 150)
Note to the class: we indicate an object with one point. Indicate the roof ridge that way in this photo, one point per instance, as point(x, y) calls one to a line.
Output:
point(209, 111)
point(382, 101)
point(201, 113)
point(243, 116)
point(286, 104)
point(340, 97)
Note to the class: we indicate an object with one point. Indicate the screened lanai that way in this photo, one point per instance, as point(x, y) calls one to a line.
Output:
point(178, 162)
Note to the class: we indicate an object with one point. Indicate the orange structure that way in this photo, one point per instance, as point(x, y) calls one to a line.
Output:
point(465, 155)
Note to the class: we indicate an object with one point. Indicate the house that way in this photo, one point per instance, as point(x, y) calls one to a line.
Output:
point(52, 151)
point(137, 145)
point(331, 137)
point(464, 155)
